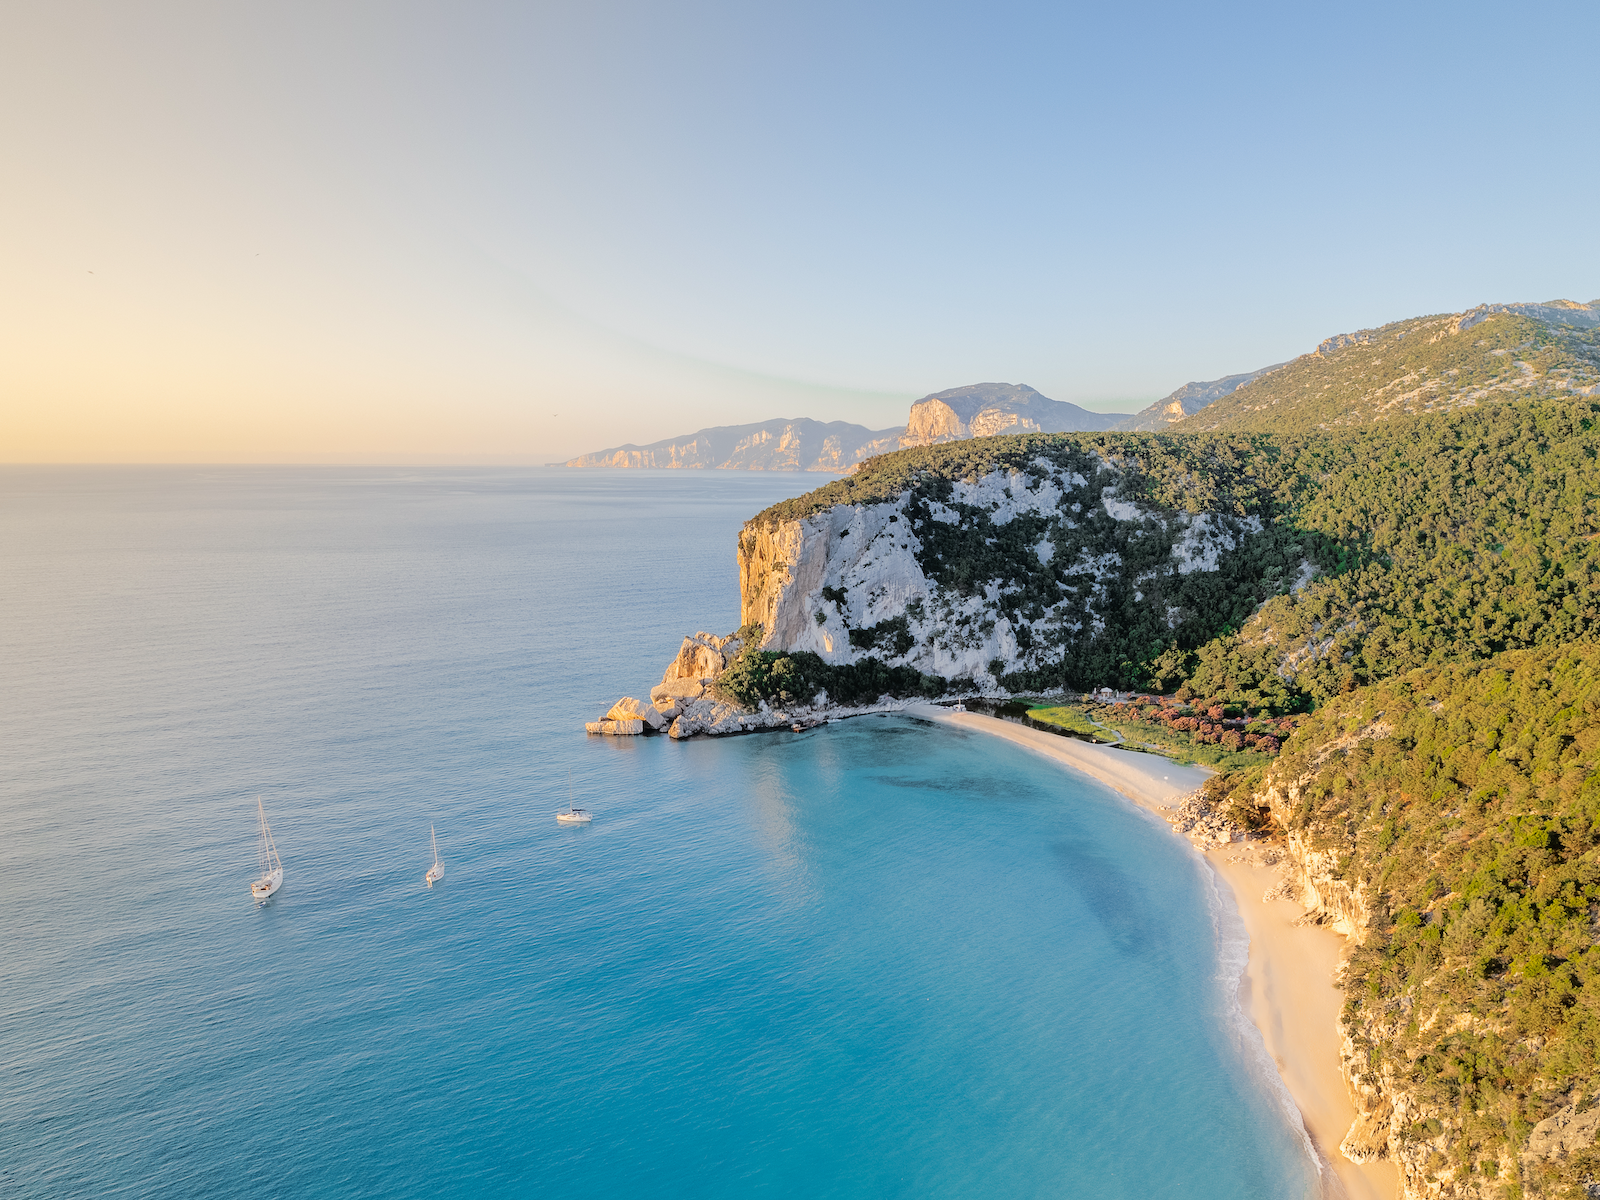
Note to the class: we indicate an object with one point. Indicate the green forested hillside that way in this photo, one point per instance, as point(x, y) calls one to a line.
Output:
point(1457, 537)
point(1435, 538)
point(1424, 365)
point(1424, 595)
point(1463, 801)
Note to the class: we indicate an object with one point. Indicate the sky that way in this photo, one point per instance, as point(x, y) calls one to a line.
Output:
point(491, 233)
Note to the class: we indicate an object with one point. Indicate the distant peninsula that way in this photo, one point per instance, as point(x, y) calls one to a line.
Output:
point(800, 444)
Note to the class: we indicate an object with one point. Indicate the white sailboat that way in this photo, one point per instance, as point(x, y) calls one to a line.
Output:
point(573, 816)
point(435, 872)
point(271, 866)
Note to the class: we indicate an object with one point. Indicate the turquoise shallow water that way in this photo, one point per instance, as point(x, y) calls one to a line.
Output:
point(880, 958)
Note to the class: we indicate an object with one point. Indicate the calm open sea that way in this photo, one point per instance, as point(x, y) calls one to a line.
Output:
point(877, 959)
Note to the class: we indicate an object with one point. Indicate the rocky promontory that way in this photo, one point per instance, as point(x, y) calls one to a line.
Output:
point(687, 702)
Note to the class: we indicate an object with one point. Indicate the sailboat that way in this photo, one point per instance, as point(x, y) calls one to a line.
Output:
point(271, 866)
point(435, 872)
point(573, 816)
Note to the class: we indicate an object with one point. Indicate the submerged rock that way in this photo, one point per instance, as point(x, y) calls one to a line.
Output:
point(615, 728)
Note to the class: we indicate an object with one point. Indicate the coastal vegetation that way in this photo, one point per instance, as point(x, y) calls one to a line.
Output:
point(1071, 718)
point(1461, 804)
point(1372, 550)
point(1195, 730)
point(779, 679)
point(1407, 368)
point(1392, 659)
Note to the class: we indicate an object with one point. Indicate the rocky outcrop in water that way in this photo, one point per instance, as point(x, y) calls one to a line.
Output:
point(686, 702)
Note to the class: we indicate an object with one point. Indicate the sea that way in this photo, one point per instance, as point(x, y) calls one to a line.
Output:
point(880, 958)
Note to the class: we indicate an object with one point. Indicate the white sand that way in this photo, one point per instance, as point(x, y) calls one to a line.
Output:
point(1288, 987)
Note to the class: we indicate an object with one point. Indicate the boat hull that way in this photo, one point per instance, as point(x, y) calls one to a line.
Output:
point(433, 876)
point(267, 884)
point(573, 818)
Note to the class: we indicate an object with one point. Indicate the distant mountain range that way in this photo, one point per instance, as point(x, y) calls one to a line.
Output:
point(784, 444)
point(1410, 366)
point(1189, 399)
point(1488, 354)
point(800, 444)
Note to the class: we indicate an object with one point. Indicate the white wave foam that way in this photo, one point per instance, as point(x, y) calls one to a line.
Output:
point(1233, 957)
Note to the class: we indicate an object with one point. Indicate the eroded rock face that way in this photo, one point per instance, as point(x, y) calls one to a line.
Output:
point(984, 409)
point(685, 702)
point(629, 709)
point(1564, 1132)
point(701, 658)
point(873, 580)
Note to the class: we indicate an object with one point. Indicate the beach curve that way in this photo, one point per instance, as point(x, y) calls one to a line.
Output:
point(1287, 985)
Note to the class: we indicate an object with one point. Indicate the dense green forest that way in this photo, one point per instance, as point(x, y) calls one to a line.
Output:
point(1463, 801)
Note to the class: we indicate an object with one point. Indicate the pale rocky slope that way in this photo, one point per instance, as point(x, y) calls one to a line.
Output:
point(981, 577)
point(1190, 399)
point(1489, 354)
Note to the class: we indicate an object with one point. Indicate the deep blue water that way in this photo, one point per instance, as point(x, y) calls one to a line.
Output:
point(876, 959)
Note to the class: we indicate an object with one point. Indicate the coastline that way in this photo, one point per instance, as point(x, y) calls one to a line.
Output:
point(1287, 987)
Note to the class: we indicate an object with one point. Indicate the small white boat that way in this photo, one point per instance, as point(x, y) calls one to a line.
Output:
point(271, 866)
point(435, 872)
point(959, 707)
point(573, 816)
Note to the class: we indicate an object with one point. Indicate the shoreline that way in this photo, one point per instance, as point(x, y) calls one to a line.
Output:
point(1286, 989)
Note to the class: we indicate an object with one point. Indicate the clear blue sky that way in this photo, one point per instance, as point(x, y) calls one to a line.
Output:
point(479, 231)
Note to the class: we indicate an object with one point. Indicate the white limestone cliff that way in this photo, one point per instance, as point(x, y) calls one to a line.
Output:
point(808, 582)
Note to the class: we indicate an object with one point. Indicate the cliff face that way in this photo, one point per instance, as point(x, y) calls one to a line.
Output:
point(1392, 1121)
point(986, 409)
point(1447, 822)
point(1017, 570)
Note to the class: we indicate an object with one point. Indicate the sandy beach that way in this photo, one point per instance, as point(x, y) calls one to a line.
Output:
point(1287, 988)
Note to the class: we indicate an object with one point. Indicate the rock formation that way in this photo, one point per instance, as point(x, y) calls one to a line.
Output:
point(785, 444)
point(686, 702)
point(985, 409)
point(931, 582)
